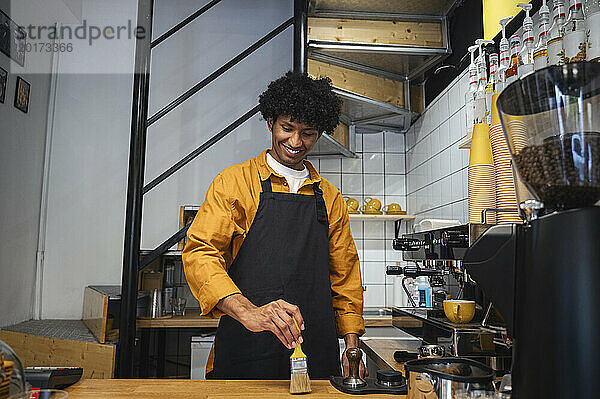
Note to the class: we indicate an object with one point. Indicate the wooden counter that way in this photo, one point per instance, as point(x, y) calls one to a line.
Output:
point(192, 319)
point(201, 389)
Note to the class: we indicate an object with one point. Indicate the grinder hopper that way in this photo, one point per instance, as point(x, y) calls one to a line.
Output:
point(551, 120)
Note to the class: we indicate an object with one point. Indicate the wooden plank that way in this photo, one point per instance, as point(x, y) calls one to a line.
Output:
point(95, 312)
point(342, 134)
point(378, 321)
point(192, 318)
point(381, 89)
point(179, 322)
point(97, 360)
point(417, 98)
point(201, 389)
point(401, 33)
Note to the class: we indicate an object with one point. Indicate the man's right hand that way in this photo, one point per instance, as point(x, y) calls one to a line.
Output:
point(275, 316)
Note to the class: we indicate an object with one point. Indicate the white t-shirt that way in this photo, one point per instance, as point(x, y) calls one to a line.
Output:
point(294, 177)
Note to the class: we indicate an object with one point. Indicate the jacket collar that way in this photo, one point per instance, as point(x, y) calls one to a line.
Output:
point(265, 170)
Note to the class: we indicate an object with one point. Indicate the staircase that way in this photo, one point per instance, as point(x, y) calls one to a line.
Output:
point(376, 53)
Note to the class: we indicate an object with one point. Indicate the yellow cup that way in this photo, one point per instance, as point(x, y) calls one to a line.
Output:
point(373, 203)
point(371, 209)
point(459, 311)
point(393, 208)
point(352, 204)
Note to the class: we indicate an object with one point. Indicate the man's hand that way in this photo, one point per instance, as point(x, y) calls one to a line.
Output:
point(275, 316)
point(352, 342)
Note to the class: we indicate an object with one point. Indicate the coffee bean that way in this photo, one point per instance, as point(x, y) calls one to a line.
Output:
point(564, 171)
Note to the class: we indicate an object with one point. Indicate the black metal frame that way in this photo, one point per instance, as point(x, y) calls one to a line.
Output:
point(132, 263)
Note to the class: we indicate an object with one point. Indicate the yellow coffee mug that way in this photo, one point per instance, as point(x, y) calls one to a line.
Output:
point(392, 209)
point(373, 202)
point(352, 204)
point(370, 209)
point(459, 311)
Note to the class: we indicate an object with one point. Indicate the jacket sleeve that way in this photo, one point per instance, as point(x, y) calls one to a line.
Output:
point(208, 241)
point(344, 272)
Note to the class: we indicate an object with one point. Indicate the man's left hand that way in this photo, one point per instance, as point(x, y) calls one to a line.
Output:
point(352, 342)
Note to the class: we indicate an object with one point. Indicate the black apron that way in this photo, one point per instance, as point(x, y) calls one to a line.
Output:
point(285, 255)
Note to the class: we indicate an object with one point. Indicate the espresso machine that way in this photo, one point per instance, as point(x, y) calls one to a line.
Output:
point(544, 276)
point(438, 254)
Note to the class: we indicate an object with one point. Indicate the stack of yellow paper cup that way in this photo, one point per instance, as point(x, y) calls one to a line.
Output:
point(506, 197)
point(518, 133)
point(482, 184)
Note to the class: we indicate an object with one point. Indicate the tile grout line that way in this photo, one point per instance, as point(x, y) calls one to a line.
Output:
point(440, 179)
point(436, 127)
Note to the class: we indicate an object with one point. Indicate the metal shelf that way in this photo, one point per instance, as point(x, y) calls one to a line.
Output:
point(381, 217)
point(410, 7)
point(329, 147)
point(389, 61)
point(392, 61)
point(373, 115)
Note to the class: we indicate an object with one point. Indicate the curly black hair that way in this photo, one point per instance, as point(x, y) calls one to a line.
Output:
point(304, 99)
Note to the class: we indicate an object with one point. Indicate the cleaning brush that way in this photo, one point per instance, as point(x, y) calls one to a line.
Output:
point(299, 381)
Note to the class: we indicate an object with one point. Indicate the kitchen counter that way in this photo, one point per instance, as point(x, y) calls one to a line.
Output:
point(381, 351)
point(192, 319)
point(200, 389)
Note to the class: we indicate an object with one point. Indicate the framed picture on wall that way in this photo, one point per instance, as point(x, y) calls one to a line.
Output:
point(12, 39)
point(3, 82)
point(22, 95)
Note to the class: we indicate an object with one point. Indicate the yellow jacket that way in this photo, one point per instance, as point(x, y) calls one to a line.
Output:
point(222, 222)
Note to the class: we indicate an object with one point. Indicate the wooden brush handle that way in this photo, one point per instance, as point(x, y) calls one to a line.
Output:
point(354, 356)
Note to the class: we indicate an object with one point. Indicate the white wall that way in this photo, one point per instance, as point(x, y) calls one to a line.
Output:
point(88, 173)
point(436, 176)
point(378, 172)
point(22, 144)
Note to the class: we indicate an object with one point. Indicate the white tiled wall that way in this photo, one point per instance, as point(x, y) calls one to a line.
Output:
point(423, 171)
point(378, 172)
point(436, 170)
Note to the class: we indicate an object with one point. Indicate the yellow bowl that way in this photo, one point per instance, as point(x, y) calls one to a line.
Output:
point(459, 311)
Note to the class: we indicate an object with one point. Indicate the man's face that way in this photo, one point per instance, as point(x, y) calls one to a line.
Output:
point(291, 141)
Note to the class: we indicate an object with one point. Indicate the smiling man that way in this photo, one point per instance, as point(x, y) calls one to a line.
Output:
point(271, 243)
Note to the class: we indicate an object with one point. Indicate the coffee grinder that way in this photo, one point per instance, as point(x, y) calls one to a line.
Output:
point(544, 275)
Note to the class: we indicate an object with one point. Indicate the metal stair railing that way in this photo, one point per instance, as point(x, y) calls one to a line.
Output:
point(140, 122)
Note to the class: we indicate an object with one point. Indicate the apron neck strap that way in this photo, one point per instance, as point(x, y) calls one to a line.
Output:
point(266, 185)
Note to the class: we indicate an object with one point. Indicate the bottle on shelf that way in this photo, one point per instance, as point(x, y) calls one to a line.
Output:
point(540, 52)
point(512, 73)
point(504, 57)
point(480, 106)
point(526, 51)
point(575, 38)
point(556, 52)
point(470, 95)
point(492, 84)
point(504, 45)
point(592, 13)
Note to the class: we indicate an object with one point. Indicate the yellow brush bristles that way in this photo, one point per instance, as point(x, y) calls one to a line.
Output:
point(299, 381)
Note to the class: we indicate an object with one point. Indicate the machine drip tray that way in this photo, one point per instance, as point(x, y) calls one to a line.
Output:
point(372, 387)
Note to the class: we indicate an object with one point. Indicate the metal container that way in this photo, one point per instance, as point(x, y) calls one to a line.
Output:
point(426, 351)
point(442, 378)
point(156, 304)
